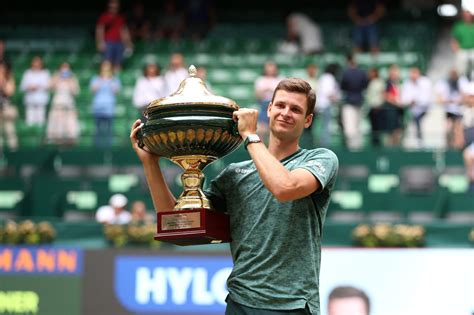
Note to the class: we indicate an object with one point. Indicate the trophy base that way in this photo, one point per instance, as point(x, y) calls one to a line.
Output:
point(193, 227)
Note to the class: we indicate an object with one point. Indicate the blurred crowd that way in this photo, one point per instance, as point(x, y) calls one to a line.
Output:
point(347, 95)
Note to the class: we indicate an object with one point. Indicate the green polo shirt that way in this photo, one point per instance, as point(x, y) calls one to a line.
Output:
point(276, 246)
point(464, 33)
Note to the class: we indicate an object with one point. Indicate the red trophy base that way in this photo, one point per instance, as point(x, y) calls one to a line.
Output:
point(193, 227)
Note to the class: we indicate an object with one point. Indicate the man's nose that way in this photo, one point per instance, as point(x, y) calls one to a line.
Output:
point(285, 111)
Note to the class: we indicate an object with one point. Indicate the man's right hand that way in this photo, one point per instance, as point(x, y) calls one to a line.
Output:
point(144, 155)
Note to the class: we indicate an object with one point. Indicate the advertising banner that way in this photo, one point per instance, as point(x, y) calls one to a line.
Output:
point(40, 280)
point(397, 281)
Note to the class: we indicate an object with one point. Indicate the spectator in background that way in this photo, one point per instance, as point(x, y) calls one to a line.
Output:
point(104, 87)
point(114, 212)
point(417, 96)
point(170, 24)
point(468, 125)
point(365, 14)
point(200, 17)
point(148, 88)
point(63, 124)
point(449, 94)
point(308, 33)
point(328, 95)
point(394, 110)
point(353, 83)
point(264, 87)
point(112, 35)
point(375, 100)
point(8, 111)
point(138, 23)
point(35, 84)
point(348, 300)
point(175, 74)
point(139, 213)
point(462, 43)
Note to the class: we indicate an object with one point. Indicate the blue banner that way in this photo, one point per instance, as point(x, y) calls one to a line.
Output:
point(178, 284)
point(40, 260)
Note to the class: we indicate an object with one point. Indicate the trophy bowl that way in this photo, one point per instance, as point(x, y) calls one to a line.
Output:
point(192, 127)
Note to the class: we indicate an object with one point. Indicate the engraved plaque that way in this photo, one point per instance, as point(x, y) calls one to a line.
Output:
point(180, 221)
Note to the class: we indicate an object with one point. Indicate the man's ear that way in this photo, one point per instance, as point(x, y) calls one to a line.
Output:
point(268, 109)
point(308, 120)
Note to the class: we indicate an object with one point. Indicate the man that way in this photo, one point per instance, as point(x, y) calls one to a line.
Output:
point(348, 301)
point(112, 35)
point(462, 43)
point(114, 212)
point(277, 204)
point(353, 83)
point(417, 95)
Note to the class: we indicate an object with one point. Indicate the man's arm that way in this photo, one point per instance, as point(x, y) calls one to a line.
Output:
point(285, 185)
point(163, 199)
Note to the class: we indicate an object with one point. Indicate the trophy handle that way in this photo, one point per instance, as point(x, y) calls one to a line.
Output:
point(139, 136)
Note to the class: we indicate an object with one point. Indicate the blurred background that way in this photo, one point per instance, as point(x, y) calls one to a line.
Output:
point(395, 87)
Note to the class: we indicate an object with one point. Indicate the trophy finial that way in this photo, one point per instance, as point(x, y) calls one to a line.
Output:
point(192, 71)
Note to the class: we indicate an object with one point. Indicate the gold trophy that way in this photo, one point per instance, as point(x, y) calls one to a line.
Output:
point(192, 127)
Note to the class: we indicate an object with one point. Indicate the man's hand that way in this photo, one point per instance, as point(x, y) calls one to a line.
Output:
point(143, 155)
point(247, 120)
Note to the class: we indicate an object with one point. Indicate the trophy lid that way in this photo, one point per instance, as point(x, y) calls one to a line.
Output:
point(192, 91)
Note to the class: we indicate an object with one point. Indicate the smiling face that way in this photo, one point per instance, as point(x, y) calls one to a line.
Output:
point(287, 114)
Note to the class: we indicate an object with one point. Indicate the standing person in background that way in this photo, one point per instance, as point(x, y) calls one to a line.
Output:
point(417, 96)
point(200, 18)
point(375, 99)
point(264, 87)
point(63, 124)
point(308, 33)
point(175, 74)
point(138, 23)
point(112, 35)
point(8, 111)
point(328, 95)
point(171, 23)
point(462, 43)
point(35, 84)
point(353, 83)
point(348, 300)
point(394, 110)
point(449, 94)
point(104, 87)
point(149, 87)
point(365, 14)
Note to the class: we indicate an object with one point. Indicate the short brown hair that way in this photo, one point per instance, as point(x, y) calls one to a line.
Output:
point(342, 292)
point(297, 85)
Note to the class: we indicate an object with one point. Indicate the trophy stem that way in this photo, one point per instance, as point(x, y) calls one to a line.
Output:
point(192, 196)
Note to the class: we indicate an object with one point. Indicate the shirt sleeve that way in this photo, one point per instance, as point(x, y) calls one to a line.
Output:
point(323, 164)
point(216, 192)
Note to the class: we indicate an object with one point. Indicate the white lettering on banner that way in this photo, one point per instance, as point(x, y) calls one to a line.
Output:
point(146, 285)
point(201, 296)
point(179, 280)
point(218, 285)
